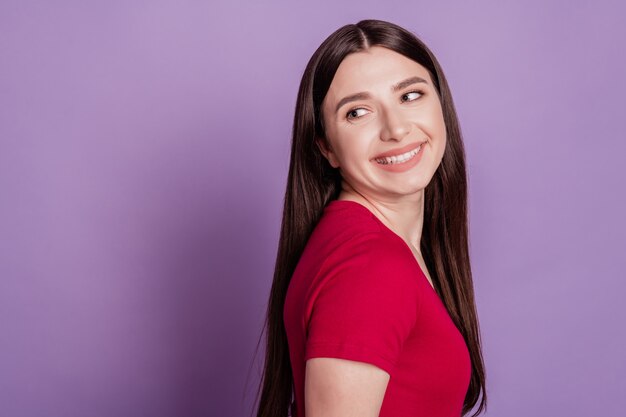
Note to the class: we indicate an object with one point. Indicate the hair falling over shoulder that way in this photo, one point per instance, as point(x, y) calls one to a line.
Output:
point(312, 183)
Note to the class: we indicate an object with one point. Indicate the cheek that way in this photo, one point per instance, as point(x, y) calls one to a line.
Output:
point(438, 126)
point(435, 127)
point(351, 142)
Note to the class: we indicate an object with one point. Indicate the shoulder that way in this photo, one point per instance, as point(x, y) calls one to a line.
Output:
point(364, 301)
point(368, 269)
point(375, 251)
point(341, 227)
point(347, 225)
point(349, 238)
point(343, 219)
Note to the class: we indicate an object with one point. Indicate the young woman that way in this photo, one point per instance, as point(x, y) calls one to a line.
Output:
point(372, 310)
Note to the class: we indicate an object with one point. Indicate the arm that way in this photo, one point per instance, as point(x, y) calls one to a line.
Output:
point(363, 311)
point(343, 388)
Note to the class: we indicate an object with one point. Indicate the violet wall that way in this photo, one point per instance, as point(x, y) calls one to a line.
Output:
point(143, 155)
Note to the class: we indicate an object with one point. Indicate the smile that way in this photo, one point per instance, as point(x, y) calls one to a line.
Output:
point(398, 159)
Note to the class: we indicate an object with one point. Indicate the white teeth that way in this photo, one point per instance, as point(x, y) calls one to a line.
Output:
point(399, 158)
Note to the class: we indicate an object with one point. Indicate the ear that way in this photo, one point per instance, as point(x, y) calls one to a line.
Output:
point(327, 151)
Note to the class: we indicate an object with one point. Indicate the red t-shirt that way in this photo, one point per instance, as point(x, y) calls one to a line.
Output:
point(358, 293)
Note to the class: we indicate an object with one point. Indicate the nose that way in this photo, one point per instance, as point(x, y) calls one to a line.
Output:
point(394, 126)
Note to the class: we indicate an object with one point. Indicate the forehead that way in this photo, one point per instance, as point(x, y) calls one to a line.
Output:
point(376, 69)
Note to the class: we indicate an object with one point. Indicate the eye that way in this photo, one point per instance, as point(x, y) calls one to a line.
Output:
point(353, 111)
point(420, 92)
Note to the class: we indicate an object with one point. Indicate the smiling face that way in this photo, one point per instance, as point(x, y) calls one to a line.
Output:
point(381, 103)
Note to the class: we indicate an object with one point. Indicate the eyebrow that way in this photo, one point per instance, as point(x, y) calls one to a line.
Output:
point(365, 95)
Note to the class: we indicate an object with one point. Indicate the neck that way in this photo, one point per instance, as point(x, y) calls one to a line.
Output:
point(403, 216)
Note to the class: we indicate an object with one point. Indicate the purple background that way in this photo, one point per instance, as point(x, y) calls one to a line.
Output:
point(143, 156)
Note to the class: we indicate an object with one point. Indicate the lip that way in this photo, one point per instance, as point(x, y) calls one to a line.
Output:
point(399, 151)
point(403, 166)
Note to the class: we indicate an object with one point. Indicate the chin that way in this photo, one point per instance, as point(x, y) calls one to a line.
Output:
point(407, 191)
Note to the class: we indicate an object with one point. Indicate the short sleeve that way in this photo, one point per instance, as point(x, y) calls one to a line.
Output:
point(367, 302)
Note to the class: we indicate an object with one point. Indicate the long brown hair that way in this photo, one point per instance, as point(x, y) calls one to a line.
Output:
point(312, 183)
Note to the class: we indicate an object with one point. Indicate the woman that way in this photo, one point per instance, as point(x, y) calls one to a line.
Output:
point(372, 310)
